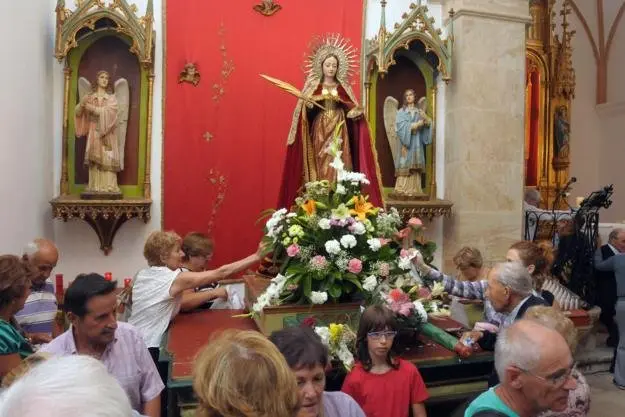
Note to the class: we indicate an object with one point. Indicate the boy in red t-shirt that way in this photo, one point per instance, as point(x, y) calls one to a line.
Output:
point(382, 385)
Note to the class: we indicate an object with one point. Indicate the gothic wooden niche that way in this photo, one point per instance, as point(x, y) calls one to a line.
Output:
point(108, 55)
point(403, 67)
point(550, 88)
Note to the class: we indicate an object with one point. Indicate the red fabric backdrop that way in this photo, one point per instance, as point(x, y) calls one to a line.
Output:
point(221, 185)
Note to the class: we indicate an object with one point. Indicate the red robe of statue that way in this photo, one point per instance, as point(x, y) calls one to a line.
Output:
point(296, 170)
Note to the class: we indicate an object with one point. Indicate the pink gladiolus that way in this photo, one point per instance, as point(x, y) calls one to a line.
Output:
point(397, 296)
point(399, 302)
point(293, 250)
point(385, 269)
point(354, 266)
point(415, 222)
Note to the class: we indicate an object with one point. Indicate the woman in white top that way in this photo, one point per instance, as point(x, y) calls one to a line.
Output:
point(157, 290)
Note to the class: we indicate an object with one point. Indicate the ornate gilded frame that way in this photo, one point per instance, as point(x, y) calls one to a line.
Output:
point(89, 20)
point(551, 54)
point(380, 52)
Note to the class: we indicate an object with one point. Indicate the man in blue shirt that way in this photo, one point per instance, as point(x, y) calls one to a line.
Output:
point(534, 364)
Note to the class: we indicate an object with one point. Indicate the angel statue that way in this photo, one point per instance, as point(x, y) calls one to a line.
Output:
point(103, 118)
point(327, 101)
point(408, 130)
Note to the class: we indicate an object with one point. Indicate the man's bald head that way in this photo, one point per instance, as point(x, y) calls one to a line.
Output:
point(535, 362)
point(43, 255)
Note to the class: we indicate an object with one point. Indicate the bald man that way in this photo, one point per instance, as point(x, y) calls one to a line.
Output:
point(39, 313)
point(534, 364)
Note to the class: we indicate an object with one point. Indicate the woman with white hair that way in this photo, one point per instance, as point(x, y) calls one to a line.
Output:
point(66, 386)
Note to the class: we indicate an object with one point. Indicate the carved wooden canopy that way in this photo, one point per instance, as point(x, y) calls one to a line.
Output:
point(95, 15)
point(416, 24)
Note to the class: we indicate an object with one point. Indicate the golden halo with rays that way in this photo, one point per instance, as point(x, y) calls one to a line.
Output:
point(331, 44)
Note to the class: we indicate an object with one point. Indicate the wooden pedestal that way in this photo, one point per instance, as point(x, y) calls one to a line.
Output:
point(278, 317)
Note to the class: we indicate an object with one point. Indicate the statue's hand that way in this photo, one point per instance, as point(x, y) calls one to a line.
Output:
point(355, 113)
point(404, 151)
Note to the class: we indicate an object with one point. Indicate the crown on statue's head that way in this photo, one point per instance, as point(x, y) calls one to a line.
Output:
point(323, 46)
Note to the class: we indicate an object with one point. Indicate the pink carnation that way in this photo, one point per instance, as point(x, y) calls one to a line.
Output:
point(293, 250)
point(318, 262)
point(354, 266)
point(415, 222)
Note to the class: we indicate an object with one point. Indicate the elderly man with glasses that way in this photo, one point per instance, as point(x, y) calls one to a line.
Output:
point(509, 290)
point(535, 366)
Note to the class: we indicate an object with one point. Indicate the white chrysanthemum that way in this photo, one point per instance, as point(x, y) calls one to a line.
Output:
point(371, 283)
point(352, 177)
point(420, 310)
point(324, 224)
point(348, 241)
point(340, 189)
point(333, 247)
point(374, 244)
point(404, 263)
point(359, 228)
point(345, 356)
point(324, 335)
point(318, 297)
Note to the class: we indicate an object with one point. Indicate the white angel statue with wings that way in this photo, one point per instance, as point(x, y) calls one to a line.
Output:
point(103, 118)
point(409, 130)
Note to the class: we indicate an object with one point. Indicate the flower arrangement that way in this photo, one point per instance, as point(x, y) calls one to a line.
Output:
point(340, 340)
point(333, 245)
point(412, 302)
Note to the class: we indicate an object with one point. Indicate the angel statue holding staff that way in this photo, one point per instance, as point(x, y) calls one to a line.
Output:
point(327, 101)
point(408, 130)
point(103, 119)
